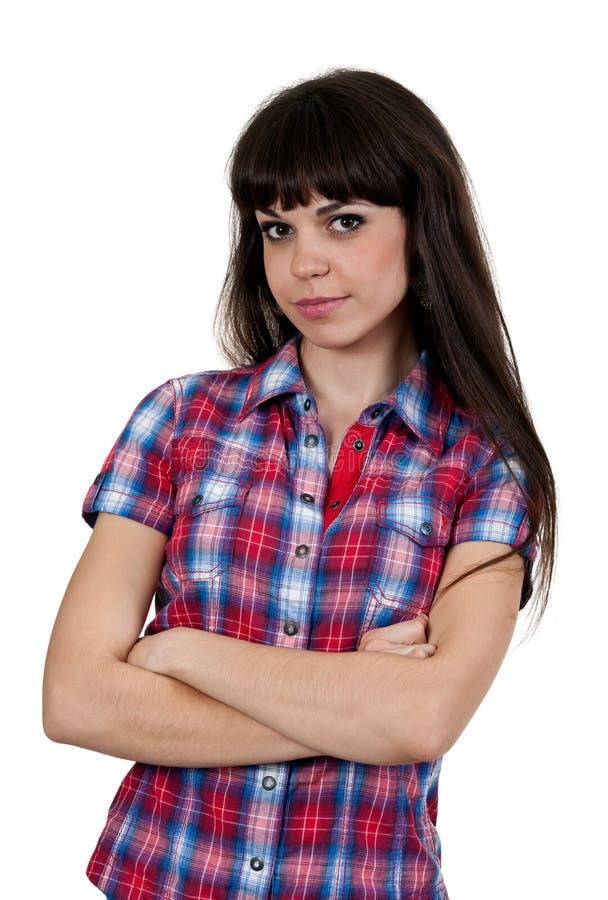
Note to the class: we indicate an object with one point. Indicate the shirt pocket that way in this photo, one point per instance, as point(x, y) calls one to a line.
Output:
point(207, 513)
point(413, 531)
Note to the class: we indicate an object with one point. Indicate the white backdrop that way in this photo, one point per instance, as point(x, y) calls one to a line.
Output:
point(117, 122)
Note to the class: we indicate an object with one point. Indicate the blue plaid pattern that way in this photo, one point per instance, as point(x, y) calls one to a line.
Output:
point(222, 462)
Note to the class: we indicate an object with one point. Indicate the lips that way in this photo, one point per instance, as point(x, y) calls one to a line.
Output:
point(309, 301)
point(317, 307)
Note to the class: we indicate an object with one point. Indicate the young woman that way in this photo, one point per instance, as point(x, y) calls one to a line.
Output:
point(339, 530)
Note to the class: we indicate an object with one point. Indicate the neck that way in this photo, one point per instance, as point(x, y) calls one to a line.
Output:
point(357, 375)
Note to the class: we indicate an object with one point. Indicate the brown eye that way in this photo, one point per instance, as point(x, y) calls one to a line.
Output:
point(355, 220)
point(266, 226)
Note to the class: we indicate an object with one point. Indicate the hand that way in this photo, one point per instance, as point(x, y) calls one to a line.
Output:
point(153, 652)
point(406, 638)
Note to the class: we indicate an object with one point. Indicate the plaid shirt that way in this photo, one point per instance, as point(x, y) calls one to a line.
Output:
point(264, 545)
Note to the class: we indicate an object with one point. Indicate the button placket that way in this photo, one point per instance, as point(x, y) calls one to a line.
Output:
point(293, 616)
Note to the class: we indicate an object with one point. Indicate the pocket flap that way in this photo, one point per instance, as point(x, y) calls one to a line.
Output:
point(200, 495)
point(418, 517)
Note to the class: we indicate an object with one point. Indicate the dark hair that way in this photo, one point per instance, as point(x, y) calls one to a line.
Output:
point(349, 134)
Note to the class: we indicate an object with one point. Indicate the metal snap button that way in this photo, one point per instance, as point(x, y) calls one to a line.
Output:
point(269, 783)
point(358, 444)
point(290, 628)
point(311, 440)
point(307, 498)
point(307, 404)
point(98, 478)
point(334, 504)
point(256, 863)
point(426, 528)
point(197, 500)
point(302, 550)
point(376, 412)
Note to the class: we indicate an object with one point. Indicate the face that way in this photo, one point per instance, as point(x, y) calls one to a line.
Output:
point(354, 250)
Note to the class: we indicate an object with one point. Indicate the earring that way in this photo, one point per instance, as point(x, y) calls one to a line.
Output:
point(421, 290)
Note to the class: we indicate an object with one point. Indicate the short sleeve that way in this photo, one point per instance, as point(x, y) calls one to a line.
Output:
point(494, 508)
point(135, 479)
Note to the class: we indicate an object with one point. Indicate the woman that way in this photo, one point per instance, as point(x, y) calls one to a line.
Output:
point(340, 529)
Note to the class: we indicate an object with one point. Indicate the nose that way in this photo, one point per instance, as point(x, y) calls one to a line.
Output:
point(307, 258)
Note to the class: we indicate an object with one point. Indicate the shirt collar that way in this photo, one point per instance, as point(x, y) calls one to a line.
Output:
point(422, 399)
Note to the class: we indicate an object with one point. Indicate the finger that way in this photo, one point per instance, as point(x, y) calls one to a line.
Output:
point(417, 651)
point(410, 631)
point(379, 644)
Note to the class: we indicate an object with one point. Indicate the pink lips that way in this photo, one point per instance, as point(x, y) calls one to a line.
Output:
point(316, 307)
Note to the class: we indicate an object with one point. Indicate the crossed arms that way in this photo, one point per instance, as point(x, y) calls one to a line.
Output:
point(195, 698)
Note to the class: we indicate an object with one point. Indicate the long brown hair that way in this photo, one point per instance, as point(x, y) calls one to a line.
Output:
point(349, 134)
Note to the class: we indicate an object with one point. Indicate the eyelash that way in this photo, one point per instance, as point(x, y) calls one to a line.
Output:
point(266, 226)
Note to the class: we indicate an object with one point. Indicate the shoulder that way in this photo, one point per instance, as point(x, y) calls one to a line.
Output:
point(211, 392)
point(191, 382)
point(467, 441)
point(473, 462)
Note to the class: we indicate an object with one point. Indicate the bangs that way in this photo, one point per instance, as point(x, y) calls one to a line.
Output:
point(293, 149)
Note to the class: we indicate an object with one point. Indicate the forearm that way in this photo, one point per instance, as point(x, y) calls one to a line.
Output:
point(131, 713)
point(343, 704)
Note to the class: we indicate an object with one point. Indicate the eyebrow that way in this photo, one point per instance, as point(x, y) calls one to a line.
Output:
point(330, 207)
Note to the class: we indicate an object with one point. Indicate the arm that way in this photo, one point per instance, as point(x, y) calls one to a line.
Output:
point(373, 707)
point(472, 625)
point(94, 699)
point(335, 702)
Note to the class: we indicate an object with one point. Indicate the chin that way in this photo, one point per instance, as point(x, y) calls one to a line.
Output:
point(335, 336)
point(332, 338)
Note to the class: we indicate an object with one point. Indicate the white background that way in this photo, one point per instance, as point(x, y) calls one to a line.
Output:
point(117, 120)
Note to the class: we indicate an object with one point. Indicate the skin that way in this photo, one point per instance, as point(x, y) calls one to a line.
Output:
point(358, 353)
point(189, 697)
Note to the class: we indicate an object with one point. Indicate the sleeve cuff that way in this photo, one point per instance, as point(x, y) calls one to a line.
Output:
point(105, 498)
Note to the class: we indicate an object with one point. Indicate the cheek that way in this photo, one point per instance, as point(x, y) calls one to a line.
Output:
point(383, 263)
point(272, 269)
point(391, 251)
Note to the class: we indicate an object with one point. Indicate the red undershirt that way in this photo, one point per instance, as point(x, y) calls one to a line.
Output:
point(347, 469)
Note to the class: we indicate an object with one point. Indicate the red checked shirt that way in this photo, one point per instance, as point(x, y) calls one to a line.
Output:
point(265, 546)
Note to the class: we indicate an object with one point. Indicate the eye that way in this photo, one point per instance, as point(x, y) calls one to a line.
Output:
point(351, 218)
point(266, 226)
point(355, 220)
